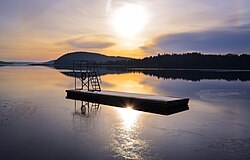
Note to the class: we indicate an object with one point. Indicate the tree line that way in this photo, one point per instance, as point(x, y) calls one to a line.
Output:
point(194, 60)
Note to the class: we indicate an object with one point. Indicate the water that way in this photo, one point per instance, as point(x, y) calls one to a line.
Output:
point(37, 122)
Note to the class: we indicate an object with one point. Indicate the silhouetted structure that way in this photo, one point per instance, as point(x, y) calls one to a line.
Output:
point(86, 108)
point(148, 103)
point(87, 72)
point(91, 105)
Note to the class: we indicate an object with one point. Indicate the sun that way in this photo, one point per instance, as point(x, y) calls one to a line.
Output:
point(129, 19)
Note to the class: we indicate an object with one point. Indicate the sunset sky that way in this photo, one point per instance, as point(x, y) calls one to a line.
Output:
point(41, 30)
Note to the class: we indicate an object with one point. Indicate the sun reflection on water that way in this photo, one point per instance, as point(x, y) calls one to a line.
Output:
point(128, 116)
point(126, 142)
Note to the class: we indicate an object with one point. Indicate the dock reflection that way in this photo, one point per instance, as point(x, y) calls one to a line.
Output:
point(85, 108)
point(125, 141)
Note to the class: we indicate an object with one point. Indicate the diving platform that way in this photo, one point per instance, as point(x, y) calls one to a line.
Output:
point(90, 91)
point(144, 102)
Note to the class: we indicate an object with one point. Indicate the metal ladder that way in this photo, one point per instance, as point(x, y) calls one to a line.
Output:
point(94, 81)
point(88, 74)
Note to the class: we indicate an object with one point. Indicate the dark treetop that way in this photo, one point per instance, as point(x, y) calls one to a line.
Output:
point(189, 61)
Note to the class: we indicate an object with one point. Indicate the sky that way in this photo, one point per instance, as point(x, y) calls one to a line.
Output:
point(42, 30)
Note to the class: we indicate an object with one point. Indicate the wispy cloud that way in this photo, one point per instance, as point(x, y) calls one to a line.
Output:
point(108, 5)
point(35, 26)
point(88, 42)
point(221, 40)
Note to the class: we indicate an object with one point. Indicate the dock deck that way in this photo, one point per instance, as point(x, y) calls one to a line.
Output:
point(123, 99)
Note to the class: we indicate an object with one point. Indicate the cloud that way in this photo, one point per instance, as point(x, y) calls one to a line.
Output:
point(89, 42)
point(221, 40)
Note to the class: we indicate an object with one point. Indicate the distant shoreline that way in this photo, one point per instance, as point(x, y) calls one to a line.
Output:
point(137, 68)
point(186, 61)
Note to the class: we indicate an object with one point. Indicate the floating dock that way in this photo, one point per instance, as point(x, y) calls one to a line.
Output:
point(90, 91)
point(151, 103)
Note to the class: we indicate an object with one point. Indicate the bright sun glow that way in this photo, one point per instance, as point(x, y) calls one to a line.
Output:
point(129, 19)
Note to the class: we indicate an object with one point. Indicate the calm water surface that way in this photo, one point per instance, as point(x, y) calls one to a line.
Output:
point(37, 122)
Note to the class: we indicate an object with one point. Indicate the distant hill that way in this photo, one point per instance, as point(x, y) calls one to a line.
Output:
point(49, 63)
point(2, 63)
point(67, 59)
point(52, 62)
